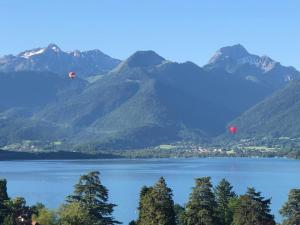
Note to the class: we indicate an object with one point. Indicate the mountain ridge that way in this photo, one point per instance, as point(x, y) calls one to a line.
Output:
point(143, 101)
point(237, 60)
point(53, 59)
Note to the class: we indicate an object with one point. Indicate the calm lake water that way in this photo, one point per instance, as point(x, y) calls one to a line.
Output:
point(50, 181)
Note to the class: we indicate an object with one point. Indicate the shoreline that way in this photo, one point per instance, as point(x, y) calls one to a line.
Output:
point(66, 155)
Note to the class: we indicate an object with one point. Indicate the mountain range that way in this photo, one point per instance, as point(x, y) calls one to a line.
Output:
point(142, 101)
point(53, 59)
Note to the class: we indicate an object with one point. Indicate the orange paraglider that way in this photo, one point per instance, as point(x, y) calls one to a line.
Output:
point(233, 129)
point(72, 75)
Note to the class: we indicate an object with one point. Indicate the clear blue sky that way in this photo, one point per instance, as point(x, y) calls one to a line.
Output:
point(177, 30)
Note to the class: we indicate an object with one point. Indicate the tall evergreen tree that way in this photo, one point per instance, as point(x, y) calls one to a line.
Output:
point(253, 209)
point(156, 205)
point(3, 190)
point(164, 203)
point(224, 195)
point(3, 199)
point(93, 196)
point(201, 207)
point(145, 206)
point(291, 209)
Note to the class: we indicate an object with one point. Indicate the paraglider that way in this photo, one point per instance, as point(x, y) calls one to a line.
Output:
point(72, 75)
point(232, 129)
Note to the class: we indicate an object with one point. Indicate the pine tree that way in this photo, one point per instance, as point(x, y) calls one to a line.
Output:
point(291, 209)
point(156, 205)
point(164, 205)
point(3, 190)
point(201, 207)
point(253, 209)
point(3, 199)
point(93, 196)
point(145, 206)
point(224, 195)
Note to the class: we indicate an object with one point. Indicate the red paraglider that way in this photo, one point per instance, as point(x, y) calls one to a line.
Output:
point(72, 75)
point(233, 129)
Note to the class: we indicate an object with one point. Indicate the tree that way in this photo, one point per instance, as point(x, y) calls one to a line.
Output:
point(224, 195)
point(156, 205)
point(93, 196)
point(179, 214)
point(18, 212)
point(74, 214)
point(3, 190)
point(132, 222)
point(252, 209)
point(164, 204)
point(44, 216)
point(9, 220)
point(291, 209)
point(201, 207)
point(145, 209)
point(3, 199)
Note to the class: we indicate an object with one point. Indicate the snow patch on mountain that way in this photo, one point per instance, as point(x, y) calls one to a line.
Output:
point(29, 54)
point(265, 63)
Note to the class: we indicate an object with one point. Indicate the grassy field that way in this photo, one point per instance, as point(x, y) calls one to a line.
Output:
point(167, 147)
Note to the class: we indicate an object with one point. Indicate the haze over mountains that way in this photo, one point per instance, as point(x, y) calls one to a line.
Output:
point(142, 101)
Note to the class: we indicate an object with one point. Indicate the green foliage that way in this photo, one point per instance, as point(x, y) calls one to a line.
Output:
point(179, 214)
point(132, 222)
point(156, 205)
point(201, 207)
point(75, 214)
point(144, 205)
point(3, 190)
point(93, 196)
point(44, 216)
point(3, 199)
point(252, 209)
point(9, 220)
point(291, 209)
point(224, 195)
point(19, 211)
point(206, 206)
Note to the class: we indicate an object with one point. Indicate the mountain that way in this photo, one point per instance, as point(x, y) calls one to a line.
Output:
point(34, 89)
point(276, 116)
point(237, 60)
point(22, 94)
point(145, 100)
point(53, 59)
point(148, 100)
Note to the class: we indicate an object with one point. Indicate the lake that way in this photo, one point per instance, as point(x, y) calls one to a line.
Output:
point(51, 181)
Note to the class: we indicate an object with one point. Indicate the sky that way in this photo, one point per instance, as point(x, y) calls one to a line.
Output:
point(189, 30)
